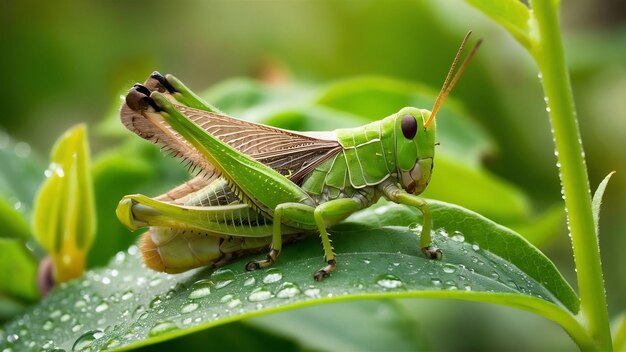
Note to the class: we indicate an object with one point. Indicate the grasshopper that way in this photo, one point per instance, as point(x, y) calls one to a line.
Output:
point(260, 186)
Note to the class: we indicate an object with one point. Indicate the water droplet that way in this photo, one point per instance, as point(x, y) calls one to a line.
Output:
point(49, 344)
point(112, 343)
point(259, 294)
point(200, 288)
point(451, 285)
point(132, 250)
point(449, 268)
point(76, 327)
point(139, 310)
point(187, 321)
point(55, 314)
point(80, 304)
point(312, 292)
point(221, 278)
point(415, 227)
point(366, 261)
point(389, 281)
point(475, 247)
point(127, 295)
point(11, 338)
point(288, 290)
point(47, 325)
point(162, 327)
point(156, 301)
point(435, 282)
point(155, 281)
point(249, 281)
point(102, 307)
point(189, 307)
point(22, 149)
point(120, 257)
point(65, 317)
point(85, 340)
point(226, 298)
point(467, 288)
point(273, 275)
point(495, 275)
point(458, 236)
point(548, 109)
point(512, 284)
point(395, 264)
point(234, 303)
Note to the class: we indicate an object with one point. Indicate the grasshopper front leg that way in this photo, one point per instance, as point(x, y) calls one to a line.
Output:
point(400, 196)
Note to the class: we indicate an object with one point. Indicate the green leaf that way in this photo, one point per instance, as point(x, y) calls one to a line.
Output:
point(20, 174)
point(64, 214)
point(596, 203)
point(19, 268)
point(476, 189)
point(510, 14)
point(619, 333)
point(323, 328)
point(128, 305)
point(12, 222)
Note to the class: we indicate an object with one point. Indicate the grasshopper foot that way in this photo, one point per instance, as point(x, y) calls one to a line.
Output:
point(162, 84)
point(432, 252)
point(258, 264)
point(324, 272)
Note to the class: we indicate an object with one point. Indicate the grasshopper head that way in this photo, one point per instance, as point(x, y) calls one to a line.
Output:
point(415, 149)
point(415, 132)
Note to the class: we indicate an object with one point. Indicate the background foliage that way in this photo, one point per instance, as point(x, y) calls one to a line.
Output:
point(69, 61)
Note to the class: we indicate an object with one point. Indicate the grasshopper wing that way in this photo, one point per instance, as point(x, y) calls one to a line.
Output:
point(290, 153)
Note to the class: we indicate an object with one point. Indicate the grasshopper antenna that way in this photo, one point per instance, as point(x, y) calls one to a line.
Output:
point(448, 84)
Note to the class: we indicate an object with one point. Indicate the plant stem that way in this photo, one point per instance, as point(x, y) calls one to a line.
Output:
point(548, 52)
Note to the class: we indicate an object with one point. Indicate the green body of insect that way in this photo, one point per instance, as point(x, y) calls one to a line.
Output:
point(260, 185)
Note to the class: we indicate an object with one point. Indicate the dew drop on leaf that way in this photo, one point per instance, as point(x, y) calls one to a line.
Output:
point(85, 340)
point(222, 278)
point(389, 281)
point(162, 327)
point(48, 325)
point(102, 307)
point(273, 275)
point(288, 290)
point(189, 307)
point(312, 292)
point(449, 269)
point(127, 295)
point(259, 294)
point(458, 236)
point(234, 303)
point(200, 288)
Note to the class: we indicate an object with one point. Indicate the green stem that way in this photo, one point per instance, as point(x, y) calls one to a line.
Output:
point(547, 50)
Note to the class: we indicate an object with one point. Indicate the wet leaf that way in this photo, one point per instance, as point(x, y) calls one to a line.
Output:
point(19, 268)
point(127, 305)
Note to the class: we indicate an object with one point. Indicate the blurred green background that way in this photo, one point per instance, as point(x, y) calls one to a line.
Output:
point(65, 62)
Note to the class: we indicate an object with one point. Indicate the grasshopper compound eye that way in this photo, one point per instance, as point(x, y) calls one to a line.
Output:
point(409, 126)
